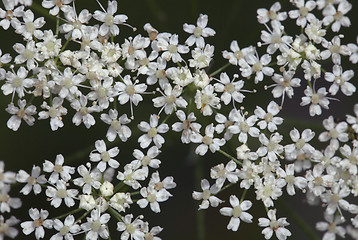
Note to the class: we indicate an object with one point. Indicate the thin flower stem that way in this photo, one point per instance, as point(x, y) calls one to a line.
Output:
point(63, 47)
point(57, 24)
point(229, 156)
point(243, 195)
point(222, 189)
point(42, 11)
point(69, 213)
point(115, 214)
point(220, 69)
point(83, 215)
point(135, 193)
point(118, 187)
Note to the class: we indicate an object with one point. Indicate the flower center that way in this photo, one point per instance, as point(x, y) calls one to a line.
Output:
point(230, 88)
point(50, 45)
point(300, 143)
point(238, 54)
point(333, 133)
point(338, 16)
point(116, 125)
point(290, 179)
point(146, 160)
point(109, 20)
point(170, 99)
point(172, 48)
point(315, 98)
point(152, 132)
point(268, 117)
point(197, 32)
point(61, 193)
point(31, 180)
point(159, 186)
point(130, 89)
point(96, 226)
point(17, 82)
point(57, 168)
point(102, 92)
point(206, 194)
point(83, 111)
point(304, 11)
point(52, 112)
point(68, 83)
point(151, 198)
point(257, 67)
point(339, 80)
point(244, 127)
point(28, 54)
point(38, 222)
point(21, 113)
point(160, 74)
point(207, 140)
point(105, 156)
point(236, 212)
point(64, 230)
point(30, 27)
point(272, 15)
point(130, 229)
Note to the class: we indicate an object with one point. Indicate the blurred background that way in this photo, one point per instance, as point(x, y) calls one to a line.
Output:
point(232, 20)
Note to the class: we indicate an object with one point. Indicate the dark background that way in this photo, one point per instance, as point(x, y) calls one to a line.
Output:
point(232, 20)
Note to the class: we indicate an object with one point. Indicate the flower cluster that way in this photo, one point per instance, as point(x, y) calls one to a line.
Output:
point(87, 70)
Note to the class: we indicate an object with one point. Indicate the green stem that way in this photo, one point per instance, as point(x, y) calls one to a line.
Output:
point(220, 69)
point(69, 213)
point(83, 215)
point(243, 195)
point(115, 214)
point(118, 187)
point(229, 156)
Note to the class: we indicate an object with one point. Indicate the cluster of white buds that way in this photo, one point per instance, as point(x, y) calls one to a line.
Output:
point(86, 69)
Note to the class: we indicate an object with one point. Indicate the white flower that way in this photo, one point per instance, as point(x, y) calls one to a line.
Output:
point(316, 100)
point(331, 227)
point(106, 189)
point(340, 81)
point(131, 229)
point(30, 27)
point(50, 46)
point(61, 192)
point(96, 225)
point(337, 16)
point(23, 112)
point(87, 202)
point(87, 180)
point(274, 38)
point(83, 113)
point(171, 99)
point(120, 201)
point(300, 143)
point(334, 199)
point(147, 160)
point(56, 6)
point(316, 181)
point(284, 84)
point(132, 175)
point(264, 15)
point(207, 195)
point(314, 30)
point(201, 57)
point(199, 32)
point(291, 179)
point(65, 229)
point(269, 190)
point(28, 54)
point(133, 50)
point(32, 182)
point(230, 89)
point(117, 125)
point(110, 21)
point(237, 212)
point(221, 173)
point(187, 126)
point(208, 141)
point(269, 119)
point(103, 156)
point(237, 56)
point(17, 82)
point(75, 25)
point(54, 112)
point(272, 224)
point(152, 197)
point(58, 170)
point(336, 132)
point(69, 83)
point(258, 66)
point(180, 75)
point(335, 49)
point(243, 126)
point(129, 91)
point(38, 223)
point(172, 49)
point(7, 229)
point(303, 12)
point(7, 202)
point(207, 99)
point(152, 131)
